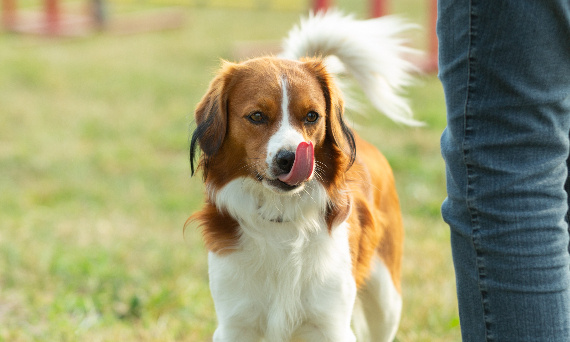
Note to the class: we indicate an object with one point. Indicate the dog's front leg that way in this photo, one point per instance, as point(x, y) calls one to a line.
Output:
point(238, 317)
point(226, 333)
point(329, 317)
point(329, 333)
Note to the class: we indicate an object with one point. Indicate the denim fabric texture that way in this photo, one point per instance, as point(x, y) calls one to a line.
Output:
point(505, 69)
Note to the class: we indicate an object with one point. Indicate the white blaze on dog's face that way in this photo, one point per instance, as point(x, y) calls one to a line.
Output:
point(274, 110)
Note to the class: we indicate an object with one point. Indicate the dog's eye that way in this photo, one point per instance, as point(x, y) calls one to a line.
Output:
point(257, 118)
point(312, 116)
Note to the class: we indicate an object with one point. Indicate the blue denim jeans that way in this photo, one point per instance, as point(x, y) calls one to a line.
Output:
point(505, 69)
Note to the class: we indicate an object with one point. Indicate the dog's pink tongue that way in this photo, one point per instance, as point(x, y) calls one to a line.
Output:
point(302, 166)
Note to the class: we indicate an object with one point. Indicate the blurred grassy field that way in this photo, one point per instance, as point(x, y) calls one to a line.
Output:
point(95, 184)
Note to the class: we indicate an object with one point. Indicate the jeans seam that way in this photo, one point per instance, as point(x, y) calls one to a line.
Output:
point(470, 198)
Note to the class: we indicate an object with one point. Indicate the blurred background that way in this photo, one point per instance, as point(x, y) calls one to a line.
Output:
point(96, 104)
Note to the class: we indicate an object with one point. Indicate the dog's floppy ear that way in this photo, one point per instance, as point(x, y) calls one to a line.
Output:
point(341, 137)
point(211, 117)
point(337, 130)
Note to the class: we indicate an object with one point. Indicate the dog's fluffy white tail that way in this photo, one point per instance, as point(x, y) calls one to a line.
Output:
point(369, 50)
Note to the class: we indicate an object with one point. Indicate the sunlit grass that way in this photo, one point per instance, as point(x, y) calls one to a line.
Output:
point(96, 185)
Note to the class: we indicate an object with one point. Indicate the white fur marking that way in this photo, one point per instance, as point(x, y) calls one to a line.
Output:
point(370, 50)
point(256, 206)
point(287, 280)
point(284, 99)
point(378, 306)
point(286, 137)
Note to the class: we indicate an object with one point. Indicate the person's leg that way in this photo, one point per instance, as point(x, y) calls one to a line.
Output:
point(505, 68)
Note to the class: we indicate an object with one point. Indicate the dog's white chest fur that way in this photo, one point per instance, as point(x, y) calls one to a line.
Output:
point(289, 279)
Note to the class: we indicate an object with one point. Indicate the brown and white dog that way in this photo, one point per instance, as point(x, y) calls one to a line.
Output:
point(302, 220)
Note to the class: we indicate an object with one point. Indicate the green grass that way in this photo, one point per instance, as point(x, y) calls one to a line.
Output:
point(95, 185)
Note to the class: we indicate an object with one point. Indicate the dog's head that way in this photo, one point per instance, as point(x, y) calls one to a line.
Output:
point(279, 122)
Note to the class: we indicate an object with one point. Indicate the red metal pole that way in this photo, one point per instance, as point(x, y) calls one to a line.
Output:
point(378, 8)
point(320, 5)
point(9, 14)
point(52, 16)
point(433, 42)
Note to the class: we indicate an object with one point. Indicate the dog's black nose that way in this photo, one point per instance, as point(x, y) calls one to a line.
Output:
point(284, 160)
